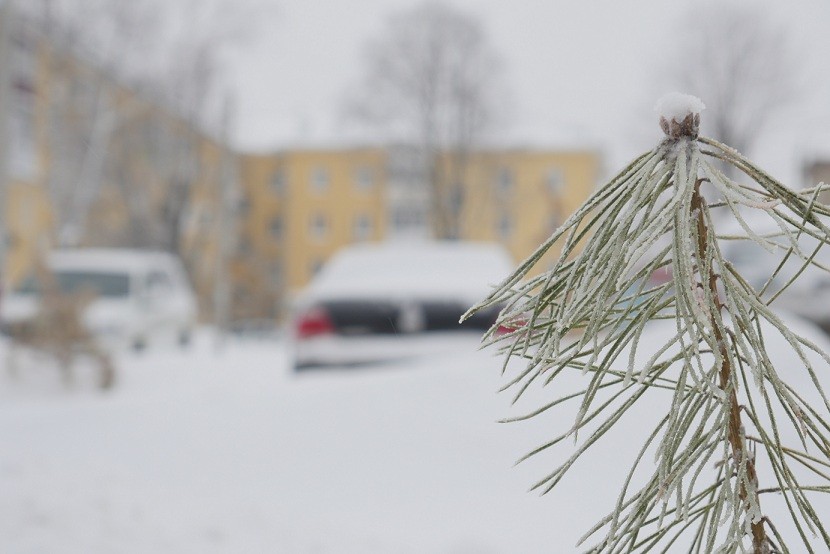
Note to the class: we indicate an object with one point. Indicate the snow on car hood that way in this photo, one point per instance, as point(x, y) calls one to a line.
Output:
point(453, 271)
point(103, 312)
point(18, 307)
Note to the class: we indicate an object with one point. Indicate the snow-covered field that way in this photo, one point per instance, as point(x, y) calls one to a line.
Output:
point(205, 451)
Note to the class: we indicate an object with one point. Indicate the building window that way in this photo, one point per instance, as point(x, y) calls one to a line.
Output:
point(244, 247)
point(319, 227)
point(23, 144)
point(319, 179)
point(407, 217)
point(24, 60)
point(243, 207)
point(278, 181)
point(364, 178)
point(504, 181)
point(205, 220)
point(275, 226)
point(362, 228)
point(159, 283)
point(276, 273)
point(554, 180)
point(554, 221)
point(504, 227)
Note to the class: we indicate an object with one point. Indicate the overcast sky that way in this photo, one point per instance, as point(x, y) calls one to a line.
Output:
point(580, 71)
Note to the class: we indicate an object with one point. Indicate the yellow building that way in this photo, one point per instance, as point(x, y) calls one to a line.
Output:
point(299, 207)
point(518, 197)
point(27, 218)
point(96, 164)
point(91, 162)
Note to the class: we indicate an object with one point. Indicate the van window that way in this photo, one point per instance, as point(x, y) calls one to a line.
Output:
point(159, 282)
point(28, 287)
point(107, 284)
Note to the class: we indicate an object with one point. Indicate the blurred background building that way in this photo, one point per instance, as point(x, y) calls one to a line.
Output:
point(92, 162)
point(298, 207)
point(817, 170)
point(97, 161)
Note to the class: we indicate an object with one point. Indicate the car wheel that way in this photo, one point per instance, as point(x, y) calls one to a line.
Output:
point(139, 344)
point(184, 338)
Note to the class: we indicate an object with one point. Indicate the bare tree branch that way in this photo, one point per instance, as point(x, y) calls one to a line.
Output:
point(169, 55)
point(740, 63)
point(432, 79)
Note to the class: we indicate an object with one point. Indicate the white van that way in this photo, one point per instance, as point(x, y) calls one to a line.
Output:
point(140, 297)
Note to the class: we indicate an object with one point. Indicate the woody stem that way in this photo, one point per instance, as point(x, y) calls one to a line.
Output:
point(760, 544)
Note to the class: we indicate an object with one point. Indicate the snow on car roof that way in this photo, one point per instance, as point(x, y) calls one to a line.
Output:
point(443, 270)
point(107, 259)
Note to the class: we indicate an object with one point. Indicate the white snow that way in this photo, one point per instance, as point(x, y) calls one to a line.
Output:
point(676, 106)
point(227, 452)
point(413, 269)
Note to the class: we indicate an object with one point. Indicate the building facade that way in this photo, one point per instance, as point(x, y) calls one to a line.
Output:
point(299, 207)
point(815, 171)
point(92, 162)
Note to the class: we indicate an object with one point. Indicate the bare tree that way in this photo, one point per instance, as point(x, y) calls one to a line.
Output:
point(169, 56)
point(432, 79)
point(740, 63)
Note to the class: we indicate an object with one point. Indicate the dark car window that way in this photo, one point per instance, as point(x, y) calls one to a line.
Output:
point(111, 285)
point(159, 282)
point(442, 316)
point(100, 284)
point(363, 317)
point(29, 286)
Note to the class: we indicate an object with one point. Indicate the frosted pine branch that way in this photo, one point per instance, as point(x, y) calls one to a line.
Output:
point(728, 403)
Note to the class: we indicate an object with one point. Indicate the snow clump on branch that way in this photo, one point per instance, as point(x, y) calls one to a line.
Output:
point(679, 114)
point(676, 106)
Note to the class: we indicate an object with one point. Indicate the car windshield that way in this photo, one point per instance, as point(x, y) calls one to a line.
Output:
point(100, 283)
point(28, 287)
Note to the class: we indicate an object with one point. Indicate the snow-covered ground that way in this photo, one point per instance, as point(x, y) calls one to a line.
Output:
point(205, 451)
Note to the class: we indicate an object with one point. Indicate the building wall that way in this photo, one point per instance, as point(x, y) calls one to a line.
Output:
point(297, 209)
point(257, 259)
point(515, 197)
point(28, 220)
point(519, 197)
point(27, 215)
point(815, 172)
point(206, 229)
point(407, 194)
point(329, 193)
point(251, 229)
point(84, 145)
